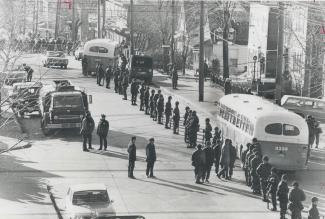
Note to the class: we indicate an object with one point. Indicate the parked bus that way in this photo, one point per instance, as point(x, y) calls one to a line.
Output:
point(304, 106)
point(97, 51)
point(283, 134)
point(141, 67)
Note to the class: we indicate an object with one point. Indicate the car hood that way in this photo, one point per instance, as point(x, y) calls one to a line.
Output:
point(100, 209)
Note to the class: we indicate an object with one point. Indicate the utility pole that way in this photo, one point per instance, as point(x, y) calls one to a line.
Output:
point(99, 35)
point(131, 28)
point(173, 34)
point(201, 58)
point(36, 17)
point(57, 18)
point(104, 18)
point(278, 79)
point(73, 24)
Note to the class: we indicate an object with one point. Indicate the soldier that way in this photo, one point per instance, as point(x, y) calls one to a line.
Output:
point(151, 157)
point(296, 197)
point(198, 161)
point(225, 159)
point(209, 155)
point(146, 100)
point(29, 71)
point(255, 162)
point(176, 118)
point(257, 145)
point(125, 84)
point(313, 212)
point(217, 145)
point(272, 185)
point(155, 100)
point(187, 128)
point(120, 82)
point(282, 194)
point(134, 92)
point(168, 112)
point(264, 172)
point(132, 151)
point(160, 108)
point(102, 131)
point(116, 80)
point(233, 156)
point(217, 133)
point(142, 92)
point(249, 159)
point(193, 129)
point(87, 128)
point(174, 78)
point(108, 73)
point(84, 62)
point(187, 110)
point(152, 103)
point(244, 156)
point(207, 131)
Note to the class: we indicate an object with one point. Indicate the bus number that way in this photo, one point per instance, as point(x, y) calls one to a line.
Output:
point(281, 148)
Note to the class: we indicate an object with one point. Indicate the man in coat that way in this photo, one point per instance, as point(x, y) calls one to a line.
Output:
point(146, 100)
point(160, 108)
point(272, 185)
point(116, 80)
point(199, 162)
point(29, 71)
point(142, 92)
point(108, 74)
point(225, 159)
point(132, 151)
point(152, 103)
point(282, 194)
point(227, 86)
point(168, 112)
point(255, 162)
point(186, 114)
point(134, 92)
point(313, 212)
point(233, 156)
point(209, 156)
point(151, 157)
point(264, 172)
point(207, 131)
point(174, 78)
point(217, 145)
point(87, 128)
point(102, 132)
point(176, 118)
point(193, 129)
point(296, 197)
point(125, 84)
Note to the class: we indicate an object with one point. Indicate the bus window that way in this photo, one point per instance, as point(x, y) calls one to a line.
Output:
point(309, 103)
point(93, 49)
point(274, 129)
point(290, 130)
point(102, 50)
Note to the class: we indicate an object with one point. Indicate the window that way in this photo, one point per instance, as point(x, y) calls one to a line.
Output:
point(274, 129)
point(290, 130)
point(98, 49)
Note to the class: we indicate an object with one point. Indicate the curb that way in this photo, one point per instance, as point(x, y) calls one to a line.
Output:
point(56, 208)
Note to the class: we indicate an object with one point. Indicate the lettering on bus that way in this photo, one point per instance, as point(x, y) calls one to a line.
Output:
point(281, 148)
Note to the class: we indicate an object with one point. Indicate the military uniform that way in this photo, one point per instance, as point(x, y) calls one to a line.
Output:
point(176, 118)
point(256, 161)
point(217, 154)
point(108, 74)
point(152, 103)
point(209, 155)
point(296, 197)
point(264, 171)
point(168, 113)
point(125, 85)
point(134, 92)
point(282, 194)
point(116, 80)
point(142, 91)
point(160, 108)
point(146, 100)
point(272, 185)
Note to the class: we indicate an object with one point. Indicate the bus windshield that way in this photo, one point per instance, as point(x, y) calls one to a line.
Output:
point(72, 101)
point(142, 62)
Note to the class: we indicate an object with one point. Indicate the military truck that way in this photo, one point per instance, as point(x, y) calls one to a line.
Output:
point(62, 106)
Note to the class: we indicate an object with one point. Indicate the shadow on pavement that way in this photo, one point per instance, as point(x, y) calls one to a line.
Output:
point(168, 84)
point(20, 183)
point(115, 154)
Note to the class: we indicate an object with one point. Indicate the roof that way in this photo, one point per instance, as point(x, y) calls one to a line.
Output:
point(89, 186)
point(100, 42)
point(299, 97)
point(66, 93)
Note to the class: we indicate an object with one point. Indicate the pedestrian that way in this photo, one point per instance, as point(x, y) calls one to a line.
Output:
point(225, 159)
point(146, 100)
point(282, 194)
point(313, 212)
point(198, 161)
point(116, 80)
point(227, 86)
point(168, 112)
point(249, 159)
point(125, 84)
point(186, 114)
point(296, 197)
point(255, 162)
point(193, 129)
point(151, 157)
point(152, 103)
point(29, 71)
point(108, 74)
point(217, 134)
point(264, 172)
point(233, 156)
point(155, 101)
point(207, 131)
point(174, 77)
point(100, 74)
point(160, 108)
point(87, 128)
point(318, 131)
point(142, 93)
point(102, 132)
point(209, 156)
point(134, 92)
point(132, 151)
point(120, 82)
point(176, 118)
point(311, 128)
point(272, 185)
point(217, 154)
point(256, 144)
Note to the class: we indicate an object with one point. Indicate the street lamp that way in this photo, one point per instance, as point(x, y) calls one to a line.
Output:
point(254, 58)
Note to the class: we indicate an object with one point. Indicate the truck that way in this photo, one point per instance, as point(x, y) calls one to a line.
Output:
point(62, 106)
point(141, 67)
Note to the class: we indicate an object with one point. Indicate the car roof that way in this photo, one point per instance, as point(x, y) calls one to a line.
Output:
point(89, 186)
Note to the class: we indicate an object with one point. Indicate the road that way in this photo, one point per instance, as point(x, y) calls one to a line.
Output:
point(58, 161)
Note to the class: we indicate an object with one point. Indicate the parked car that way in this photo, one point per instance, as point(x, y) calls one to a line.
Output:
point(78, 54)
point(89, 201)
point(55, 58)
point(8, 79)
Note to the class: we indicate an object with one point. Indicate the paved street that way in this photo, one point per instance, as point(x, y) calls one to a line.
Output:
point(58, 161)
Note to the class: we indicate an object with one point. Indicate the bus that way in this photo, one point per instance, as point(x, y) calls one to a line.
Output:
point(283, 134)
point(141, 67)
point(97, 51)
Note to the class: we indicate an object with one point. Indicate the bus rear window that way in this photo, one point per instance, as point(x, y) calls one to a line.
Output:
point(290, 130)
point(98, 49)
point(274, 129)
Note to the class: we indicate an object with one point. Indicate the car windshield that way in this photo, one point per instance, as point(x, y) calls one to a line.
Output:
point(72, 101)
point(55, 54)
point(90, 196)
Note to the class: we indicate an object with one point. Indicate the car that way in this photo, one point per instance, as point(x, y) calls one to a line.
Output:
point(89, 201)
point(122, 217)
point(78, 54)
point(55, 58)
point(8, 79)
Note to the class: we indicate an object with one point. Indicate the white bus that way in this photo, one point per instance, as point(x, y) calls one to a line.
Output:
point(283, 134)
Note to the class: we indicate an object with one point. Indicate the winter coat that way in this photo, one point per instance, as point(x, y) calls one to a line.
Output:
point(282, 192)
point(264, 170)
point(176, 115)
point(134, 88)
point(146, 97)
point(233, 155)
point(168, 108)
point(103, 127)
point(209, 155)
point(313, 212)
point(225, 155)
point(87, 126)
point(132, 150)
point(198, 158)
point(272, 184)
point(296, 197)
point(151, 153)
point(208, 130)
point(194, 124)
point(160, 105)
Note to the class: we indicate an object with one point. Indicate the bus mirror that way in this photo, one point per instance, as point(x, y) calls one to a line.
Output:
point(90, 99)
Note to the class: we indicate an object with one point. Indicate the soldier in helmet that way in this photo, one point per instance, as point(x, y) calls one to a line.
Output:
point(264, 172)
point(313, 212)
point(272, 185)
point(152, 103)
point(146, 100)
point(176, 118)
point(160, 108)
point(168, 112)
